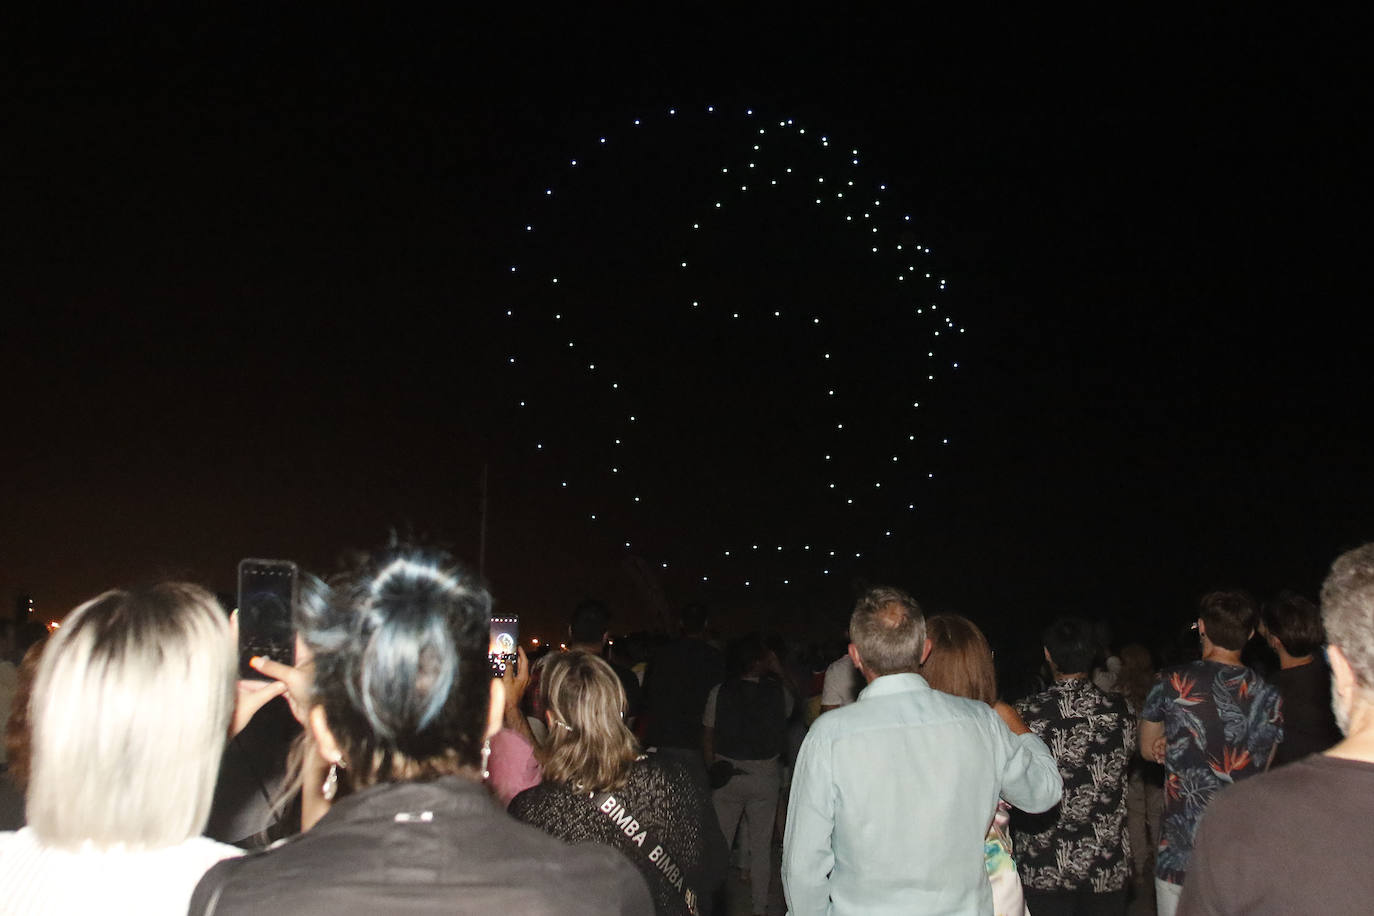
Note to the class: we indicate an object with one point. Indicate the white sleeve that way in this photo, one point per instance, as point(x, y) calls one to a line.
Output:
point(837, 689)
point(708, 715)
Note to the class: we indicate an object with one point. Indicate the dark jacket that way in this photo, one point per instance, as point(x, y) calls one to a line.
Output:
point(661, 796)
point(436, 847)
point(751, 719)
point(675, 689)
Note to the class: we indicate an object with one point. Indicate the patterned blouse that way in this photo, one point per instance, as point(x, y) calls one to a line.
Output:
point(1082, 843)
point(1222, 723)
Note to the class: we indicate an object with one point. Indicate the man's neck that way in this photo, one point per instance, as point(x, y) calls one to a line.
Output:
point(1359, 741)
point(1060, 678)
point(1216, 653)
point(591, 648)
point(1287, 661)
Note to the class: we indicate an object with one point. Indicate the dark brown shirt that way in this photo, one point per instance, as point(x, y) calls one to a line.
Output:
point(1295, 840)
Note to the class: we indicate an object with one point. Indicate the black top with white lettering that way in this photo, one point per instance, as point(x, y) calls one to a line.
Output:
point(660, 796)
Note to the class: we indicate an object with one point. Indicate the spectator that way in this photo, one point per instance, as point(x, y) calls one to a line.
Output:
point(1211, 723)
point(744, 733)
point(960, 663)
point(131, 706)
point(841, 685)
point(1145, 783)
point(892, 795)
point(400, 707)
point(512, 765)
point(18, 741)
point(1076, 858)
point(675, 688)
point(596, 778)
point(1294, 841)
point(1292, 626)
point(590, 631)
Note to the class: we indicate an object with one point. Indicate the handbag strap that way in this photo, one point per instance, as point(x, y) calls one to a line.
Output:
point(646, 839)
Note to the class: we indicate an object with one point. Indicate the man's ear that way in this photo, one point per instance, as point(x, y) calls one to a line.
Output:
point(325, 744)
point(925, 650)
point(496, 711)
point(854, 657)
point(1342, 675)
point(1047, 655)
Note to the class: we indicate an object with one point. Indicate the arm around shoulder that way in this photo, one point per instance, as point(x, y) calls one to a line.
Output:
point(1030, 779)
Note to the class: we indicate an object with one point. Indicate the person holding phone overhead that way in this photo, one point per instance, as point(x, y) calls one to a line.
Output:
point(400, 708)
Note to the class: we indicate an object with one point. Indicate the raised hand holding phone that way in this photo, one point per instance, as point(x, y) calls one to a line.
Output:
point(267, 591)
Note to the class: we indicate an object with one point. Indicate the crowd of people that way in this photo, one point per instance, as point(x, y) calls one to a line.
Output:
point(389, 769)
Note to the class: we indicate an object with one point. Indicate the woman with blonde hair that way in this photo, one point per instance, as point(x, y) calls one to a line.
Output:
point(130, 709)
point(960, 663)
point(599, 788)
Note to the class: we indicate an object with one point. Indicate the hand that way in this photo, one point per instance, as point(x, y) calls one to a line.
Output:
point(1011, 717)
point(516, 681)
point(1159, 749)
point(293, 682)
point(251, 697)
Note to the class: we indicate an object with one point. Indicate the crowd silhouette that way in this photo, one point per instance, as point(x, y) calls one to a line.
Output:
point(388, 768)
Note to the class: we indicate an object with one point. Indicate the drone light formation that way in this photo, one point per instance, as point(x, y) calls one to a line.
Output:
point(779, 157)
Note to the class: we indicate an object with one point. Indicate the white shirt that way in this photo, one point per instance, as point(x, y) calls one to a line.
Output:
point(892, 797)
point(38, 880)
point(842, 683)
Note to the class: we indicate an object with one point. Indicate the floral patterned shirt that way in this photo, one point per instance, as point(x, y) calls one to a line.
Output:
point(1222, 723)
point(1082, 843)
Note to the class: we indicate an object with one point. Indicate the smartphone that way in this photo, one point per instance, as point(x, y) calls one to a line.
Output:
point(505, 637)
point(267, 595)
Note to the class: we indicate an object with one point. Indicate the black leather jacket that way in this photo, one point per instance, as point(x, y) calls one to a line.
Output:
point(420, 848)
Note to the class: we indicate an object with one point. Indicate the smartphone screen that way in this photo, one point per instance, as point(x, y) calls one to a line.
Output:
point(505, 636)
point(267, 594)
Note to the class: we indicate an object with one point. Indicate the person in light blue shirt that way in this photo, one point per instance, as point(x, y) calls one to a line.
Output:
point(892, 795)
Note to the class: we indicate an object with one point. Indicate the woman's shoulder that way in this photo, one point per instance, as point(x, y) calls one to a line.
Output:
point(537, 798)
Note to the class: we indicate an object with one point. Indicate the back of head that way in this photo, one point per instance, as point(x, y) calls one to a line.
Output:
point(1072, 644)
point(400, 646)
point(1295, 622)
point(889, 631)
point(1229, 616)
point(1137, 673)
point(1348, 611)
point(960, 660)
point(590, 621)
point(589, 746)
point(744, 654)
point(693, 618)
point(131, 707)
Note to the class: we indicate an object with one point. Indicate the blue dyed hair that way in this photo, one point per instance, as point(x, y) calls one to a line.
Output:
point(400, 647)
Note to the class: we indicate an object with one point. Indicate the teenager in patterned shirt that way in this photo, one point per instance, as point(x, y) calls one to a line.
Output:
point(1075, 858)
point(1211, 723)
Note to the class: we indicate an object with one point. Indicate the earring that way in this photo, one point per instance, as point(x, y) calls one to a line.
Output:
point(331, 782)
point(486, 755)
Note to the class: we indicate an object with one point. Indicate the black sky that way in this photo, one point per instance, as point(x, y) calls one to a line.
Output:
point(253, 277)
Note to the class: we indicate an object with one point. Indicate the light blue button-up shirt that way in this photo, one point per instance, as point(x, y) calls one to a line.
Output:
point(892, 797)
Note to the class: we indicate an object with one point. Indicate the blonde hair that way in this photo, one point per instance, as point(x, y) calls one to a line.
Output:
point(130, 712)
point(589, 746)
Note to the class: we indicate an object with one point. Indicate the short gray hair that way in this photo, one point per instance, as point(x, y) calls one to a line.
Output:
point(889, 630)
point(130, 711)
point(1348, 610)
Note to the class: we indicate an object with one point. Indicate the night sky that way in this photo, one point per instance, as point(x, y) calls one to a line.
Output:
point(257, 270)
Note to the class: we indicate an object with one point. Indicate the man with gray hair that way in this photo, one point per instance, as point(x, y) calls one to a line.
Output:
point(892, 795)
point(1297, 840)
